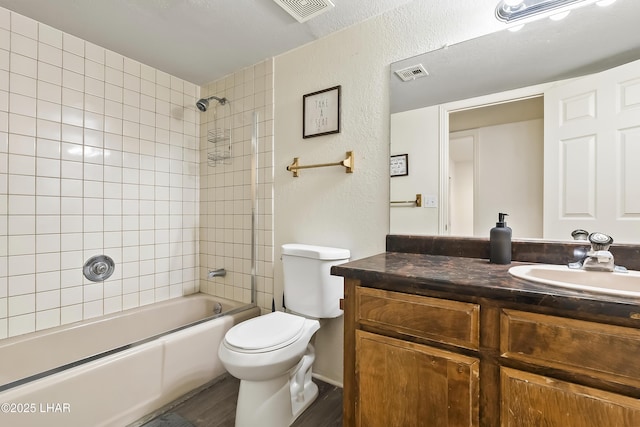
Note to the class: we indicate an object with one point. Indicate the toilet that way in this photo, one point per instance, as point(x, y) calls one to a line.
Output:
point(271, 354)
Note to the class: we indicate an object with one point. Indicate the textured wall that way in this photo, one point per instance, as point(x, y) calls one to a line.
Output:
point(327, 206)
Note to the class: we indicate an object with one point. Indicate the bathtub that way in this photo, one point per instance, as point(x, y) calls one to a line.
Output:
point(115, 369)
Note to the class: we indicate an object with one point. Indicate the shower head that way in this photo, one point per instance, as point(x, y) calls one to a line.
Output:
point(203, 104)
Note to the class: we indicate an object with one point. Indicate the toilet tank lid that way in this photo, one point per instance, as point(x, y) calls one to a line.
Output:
point(315, 252)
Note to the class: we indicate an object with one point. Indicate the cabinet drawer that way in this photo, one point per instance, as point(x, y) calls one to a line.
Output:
point(603, 351)
point(445, 321)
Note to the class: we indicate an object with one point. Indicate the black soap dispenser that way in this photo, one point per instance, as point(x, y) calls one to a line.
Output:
point(500, 242)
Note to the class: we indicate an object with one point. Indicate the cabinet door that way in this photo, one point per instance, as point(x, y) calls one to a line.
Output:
point(405, 384)
point(534, 400)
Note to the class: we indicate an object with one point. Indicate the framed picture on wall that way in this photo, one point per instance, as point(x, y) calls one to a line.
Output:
point(321, 112)
point(399, 165)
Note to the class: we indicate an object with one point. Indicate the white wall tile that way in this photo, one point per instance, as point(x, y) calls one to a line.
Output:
point(47, 224)
point(47, 281)
point(24, 45)
point(23, 324)
point(48, 206)
point(20, 104)
point(50, 73)
point(23, 25)
point(21, 205)
point(86, 163)
point(46, 148)
point(72, 98)
point(46, 91)
point(49, 54)
point(22, 304)
point(48, 129)
point(21, 244)
point(23, 65)
point(73, 44)
point(112, 305)
point(95, 70)
point(22, 125)
point(94, 87)
point(46, 186)
point(21, 285)
point(48, 300)
point(163, 79)
point(21, 224)
point(70, 278)
point(70, 314)
point(50, 35)
point(5, 19)
point(114, 60)
point(47, 319)
point(93, 121)
point(21, 165)
point(46, 243)
point(94, 104)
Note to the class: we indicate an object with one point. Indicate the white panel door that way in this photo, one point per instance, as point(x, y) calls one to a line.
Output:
point(592, 155)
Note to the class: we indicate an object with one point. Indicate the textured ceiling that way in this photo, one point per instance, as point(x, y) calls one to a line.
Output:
point(196, 40)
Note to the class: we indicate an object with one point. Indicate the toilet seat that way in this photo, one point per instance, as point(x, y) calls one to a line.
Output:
point(265, 333)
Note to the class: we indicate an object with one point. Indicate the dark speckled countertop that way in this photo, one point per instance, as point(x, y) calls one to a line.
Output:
point(472, 277)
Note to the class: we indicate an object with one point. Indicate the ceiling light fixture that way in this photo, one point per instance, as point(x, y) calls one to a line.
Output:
point(523, 11)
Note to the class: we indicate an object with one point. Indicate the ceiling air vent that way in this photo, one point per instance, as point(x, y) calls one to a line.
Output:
point(412, 73)
point(304, 10)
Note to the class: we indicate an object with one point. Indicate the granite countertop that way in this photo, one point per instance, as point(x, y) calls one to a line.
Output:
point(476, 278)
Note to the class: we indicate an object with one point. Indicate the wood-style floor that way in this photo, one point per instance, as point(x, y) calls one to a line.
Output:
point(215, 406)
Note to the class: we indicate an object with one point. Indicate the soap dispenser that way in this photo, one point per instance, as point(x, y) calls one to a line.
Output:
point(500, 242)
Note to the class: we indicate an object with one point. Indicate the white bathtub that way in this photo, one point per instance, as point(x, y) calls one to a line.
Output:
point(112, 370)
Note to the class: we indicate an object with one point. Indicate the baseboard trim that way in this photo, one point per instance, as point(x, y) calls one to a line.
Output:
point(327, 380)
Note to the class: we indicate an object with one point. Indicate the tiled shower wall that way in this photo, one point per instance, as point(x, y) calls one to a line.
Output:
point(225, 186)
point(98, 155)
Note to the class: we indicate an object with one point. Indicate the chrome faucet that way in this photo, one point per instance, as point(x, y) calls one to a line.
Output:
point(598, 258)
point(218, 272)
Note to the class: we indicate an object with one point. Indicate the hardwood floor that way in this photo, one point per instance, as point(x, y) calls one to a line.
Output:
point(215, 406)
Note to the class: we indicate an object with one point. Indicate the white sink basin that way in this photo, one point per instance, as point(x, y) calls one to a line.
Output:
point(627, 284)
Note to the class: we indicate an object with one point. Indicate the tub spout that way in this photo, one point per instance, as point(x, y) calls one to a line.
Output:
point(218, 272)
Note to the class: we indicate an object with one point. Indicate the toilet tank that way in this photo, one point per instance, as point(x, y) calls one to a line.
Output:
point(309, 287)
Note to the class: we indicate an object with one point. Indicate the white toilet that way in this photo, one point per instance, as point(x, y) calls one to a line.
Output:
point(271, 354)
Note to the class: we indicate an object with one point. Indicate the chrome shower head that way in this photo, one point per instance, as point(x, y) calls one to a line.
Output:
point(203, 104)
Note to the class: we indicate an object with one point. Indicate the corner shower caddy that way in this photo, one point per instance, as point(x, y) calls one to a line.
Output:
point(219, 137)
point(220, 153)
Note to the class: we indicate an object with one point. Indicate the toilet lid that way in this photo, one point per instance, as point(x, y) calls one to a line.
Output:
point(266, 333)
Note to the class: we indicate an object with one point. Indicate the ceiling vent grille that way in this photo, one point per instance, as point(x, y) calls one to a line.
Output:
point(412, 73)
point(304, 10)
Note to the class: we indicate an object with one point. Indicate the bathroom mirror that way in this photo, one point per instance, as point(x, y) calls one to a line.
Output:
point(590, 40)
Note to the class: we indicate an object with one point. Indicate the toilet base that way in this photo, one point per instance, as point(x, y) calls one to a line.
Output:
point(310, 394)
point(280, 401)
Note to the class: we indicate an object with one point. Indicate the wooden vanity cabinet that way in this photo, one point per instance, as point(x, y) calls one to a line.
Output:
point(422, 361)
point(397, 378)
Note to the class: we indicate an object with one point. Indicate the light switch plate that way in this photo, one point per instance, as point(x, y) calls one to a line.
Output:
point(431, 201)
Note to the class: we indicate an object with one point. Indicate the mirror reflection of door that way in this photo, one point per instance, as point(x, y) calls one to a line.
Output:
point(461, 182)
point(496, 165)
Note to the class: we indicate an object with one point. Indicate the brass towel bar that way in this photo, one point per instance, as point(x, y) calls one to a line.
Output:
point(347, 163)
point(417, 201)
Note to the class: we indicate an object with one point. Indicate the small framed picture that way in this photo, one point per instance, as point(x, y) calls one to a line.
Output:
point(399, 165)
point(321, 112)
